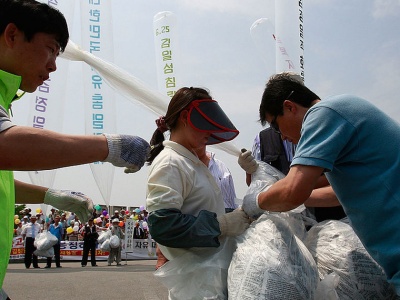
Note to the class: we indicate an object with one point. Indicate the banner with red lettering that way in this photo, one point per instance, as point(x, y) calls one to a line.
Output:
point(140, 249)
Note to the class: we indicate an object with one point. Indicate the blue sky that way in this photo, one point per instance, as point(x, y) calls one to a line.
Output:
point(351, 47)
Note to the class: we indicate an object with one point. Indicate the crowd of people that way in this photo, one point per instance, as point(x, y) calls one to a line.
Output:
point(71, 226)
point(66, 226)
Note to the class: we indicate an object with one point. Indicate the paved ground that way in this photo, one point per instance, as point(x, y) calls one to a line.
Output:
point(133, 280)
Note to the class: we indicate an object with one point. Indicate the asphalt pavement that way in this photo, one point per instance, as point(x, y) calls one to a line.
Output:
point(134, 279)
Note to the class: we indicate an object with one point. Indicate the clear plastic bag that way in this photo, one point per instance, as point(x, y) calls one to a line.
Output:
point(270, 262)
point(104, 235)
point(105, 246)
point(199, 275)
point(44, 253)
point(45, 240)
point(327, 287)
point(115, 242)
point(336, 248)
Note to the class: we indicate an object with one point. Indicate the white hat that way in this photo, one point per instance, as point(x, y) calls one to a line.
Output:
point(115, 220)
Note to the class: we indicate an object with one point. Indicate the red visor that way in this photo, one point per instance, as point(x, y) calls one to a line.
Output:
point(207, 116)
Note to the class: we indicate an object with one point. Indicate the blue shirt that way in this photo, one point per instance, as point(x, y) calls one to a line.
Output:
point(56, 230)
point(359, 147)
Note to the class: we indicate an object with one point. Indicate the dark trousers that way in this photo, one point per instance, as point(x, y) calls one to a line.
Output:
point(89, 246)
point(56, 248)
point(29, 248)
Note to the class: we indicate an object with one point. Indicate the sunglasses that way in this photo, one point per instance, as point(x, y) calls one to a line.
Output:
point(273, 123)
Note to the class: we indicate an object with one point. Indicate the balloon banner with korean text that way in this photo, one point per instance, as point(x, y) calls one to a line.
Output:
point(47, 102)
point(289, 36)
point(262, 33)
point(279, 38)
point(96, 34)
point(167, 52)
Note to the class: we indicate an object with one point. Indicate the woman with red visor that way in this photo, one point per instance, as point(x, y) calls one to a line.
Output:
point(185, 204)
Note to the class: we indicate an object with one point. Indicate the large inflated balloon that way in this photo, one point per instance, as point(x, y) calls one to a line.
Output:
point(17, 221)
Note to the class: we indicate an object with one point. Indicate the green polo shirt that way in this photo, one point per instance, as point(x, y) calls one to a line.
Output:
point(9, 85)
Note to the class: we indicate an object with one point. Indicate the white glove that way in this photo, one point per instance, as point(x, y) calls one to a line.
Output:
point(247, 161)
point(233, 223)
point(250, 201)
point(127, 151)
point(75, 202)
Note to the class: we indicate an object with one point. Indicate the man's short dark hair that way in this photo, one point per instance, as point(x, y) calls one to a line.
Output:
point(279, 88)
point(32, 17)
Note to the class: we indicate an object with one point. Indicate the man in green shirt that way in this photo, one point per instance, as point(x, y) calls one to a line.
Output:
point(32, 35)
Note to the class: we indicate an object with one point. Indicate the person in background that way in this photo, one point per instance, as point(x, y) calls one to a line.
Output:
point(25, 220)
point(64, 224)
point(71, 217)
point(122, 214)
point(18, 230)
point(41, 221)
point(115, 253)
point(145, 215)
point(32, 35)
point(138, 232)
point(52, 215)
point(116, 215)
point(29, 232)
point(185, 204)
point(56, 229)
point(73, 232)
point(269, 147)
point(355, 145)
point(222, 176)
point(90, 235)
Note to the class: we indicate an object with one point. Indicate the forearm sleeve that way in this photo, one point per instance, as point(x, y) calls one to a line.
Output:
point(171, 228)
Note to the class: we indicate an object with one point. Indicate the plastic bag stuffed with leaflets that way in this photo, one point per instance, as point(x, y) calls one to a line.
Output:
point(271, 262)
point(115, 242)
point(45, 240)
point(44, 253)
point(44, 243)
point(104, 235)
point(339, 252)
point(105, 246)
